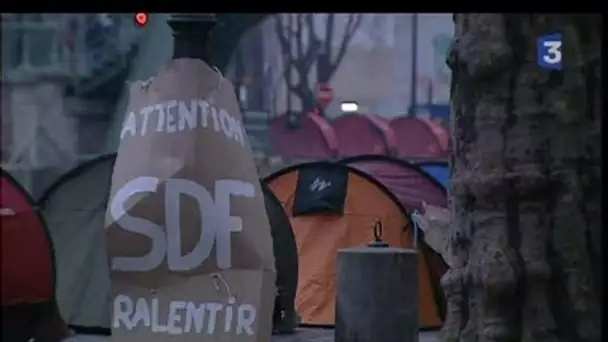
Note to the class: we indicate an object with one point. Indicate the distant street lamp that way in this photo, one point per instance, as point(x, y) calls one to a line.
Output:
point(349, 107)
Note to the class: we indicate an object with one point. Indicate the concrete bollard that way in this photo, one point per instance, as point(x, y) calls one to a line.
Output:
point(377, 295)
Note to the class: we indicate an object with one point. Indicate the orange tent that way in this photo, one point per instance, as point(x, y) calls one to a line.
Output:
point(333, 206)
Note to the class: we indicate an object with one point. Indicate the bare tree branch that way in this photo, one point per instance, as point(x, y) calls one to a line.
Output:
point(287, 73)
point(298, 36)
point(312, 33)
point(329, 34)
point(352, 25)
point(284, 35)
point(284, 42)
point(303, 37)
point(313, 41)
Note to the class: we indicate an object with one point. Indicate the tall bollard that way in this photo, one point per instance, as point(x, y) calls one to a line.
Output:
point(377, 294)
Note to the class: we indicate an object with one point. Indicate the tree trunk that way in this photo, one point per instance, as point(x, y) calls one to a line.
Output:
point(307, 97)
point(324, 68)
point(525, 182)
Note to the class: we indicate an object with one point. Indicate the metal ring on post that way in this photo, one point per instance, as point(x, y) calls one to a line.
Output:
point(377, 236)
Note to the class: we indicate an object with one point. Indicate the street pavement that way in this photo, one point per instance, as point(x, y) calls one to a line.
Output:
point(302, 335)
point(327, 335)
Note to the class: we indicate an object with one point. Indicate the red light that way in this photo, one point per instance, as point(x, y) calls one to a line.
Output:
point(141, 19)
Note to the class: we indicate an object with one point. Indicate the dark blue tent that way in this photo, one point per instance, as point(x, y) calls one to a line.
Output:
point(440, 111)
point(438, 170)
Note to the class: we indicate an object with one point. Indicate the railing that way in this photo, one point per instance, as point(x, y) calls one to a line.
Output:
point(256, 125)
point(104, 44)
point(79, 46)
point(33, 43)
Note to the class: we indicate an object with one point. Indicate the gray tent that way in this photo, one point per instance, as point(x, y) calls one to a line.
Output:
point(74, 208)
point(286, 262)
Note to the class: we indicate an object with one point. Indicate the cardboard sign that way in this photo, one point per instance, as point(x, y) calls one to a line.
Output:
point(188, 237)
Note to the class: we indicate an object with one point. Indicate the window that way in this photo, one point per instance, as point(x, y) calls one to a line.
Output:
point(32, 42)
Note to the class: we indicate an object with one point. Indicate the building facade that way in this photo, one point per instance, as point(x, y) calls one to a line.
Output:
point(60, 77)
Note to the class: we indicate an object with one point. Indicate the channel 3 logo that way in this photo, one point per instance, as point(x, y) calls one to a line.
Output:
point(550, 51)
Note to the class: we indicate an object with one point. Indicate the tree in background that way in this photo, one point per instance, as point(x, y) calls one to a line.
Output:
point(525, 184)
point(302, 48)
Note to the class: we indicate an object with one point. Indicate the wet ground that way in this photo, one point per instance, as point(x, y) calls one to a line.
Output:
point(327, 335)
point(302, 335)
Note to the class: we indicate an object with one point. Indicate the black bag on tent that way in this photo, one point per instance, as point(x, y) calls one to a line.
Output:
point(320, 189)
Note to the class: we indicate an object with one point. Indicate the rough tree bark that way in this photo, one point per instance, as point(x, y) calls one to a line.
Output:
point(302, 47)
point(525, 182)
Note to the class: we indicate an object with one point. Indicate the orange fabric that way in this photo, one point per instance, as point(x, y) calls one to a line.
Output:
point(320, 236)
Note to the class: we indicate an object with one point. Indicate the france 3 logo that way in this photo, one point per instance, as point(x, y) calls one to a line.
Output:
point(550, 51)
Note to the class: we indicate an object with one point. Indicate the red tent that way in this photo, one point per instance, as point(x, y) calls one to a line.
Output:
point(364, 134)
point(420, 138)
point(28, 267)
point(408, 182)
point(28, 270)
point(440, 131)
point(312, 138)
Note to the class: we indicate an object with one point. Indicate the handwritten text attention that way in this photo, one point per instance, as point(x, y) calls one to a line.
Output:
point(177, 116)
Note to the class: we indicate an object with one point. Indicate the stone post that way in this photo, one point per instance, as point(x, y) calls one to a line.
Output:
point(377, 295)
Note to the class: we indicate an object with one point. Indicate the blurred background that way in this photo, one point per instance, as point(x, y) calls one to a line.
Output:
point(311, 86)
